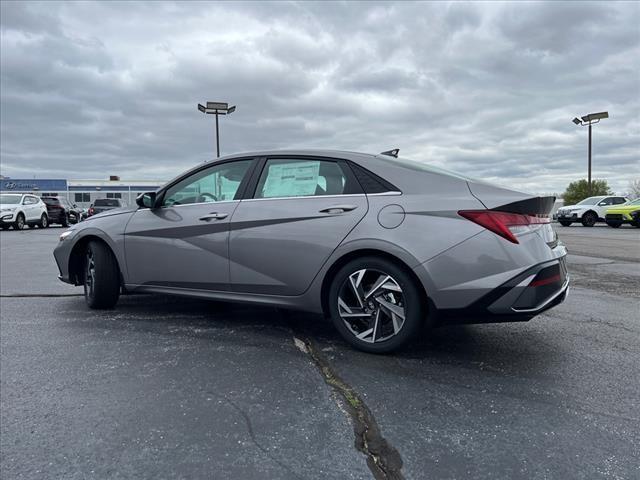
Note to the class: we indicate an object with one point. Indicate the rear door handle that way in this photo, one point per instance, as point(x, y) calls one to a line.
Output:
point(338, 208)
point(214, 216)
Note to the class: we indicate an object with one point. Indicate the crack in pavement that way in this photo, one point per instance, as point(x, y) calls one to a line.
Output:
point(258, 445)
point(383, 459)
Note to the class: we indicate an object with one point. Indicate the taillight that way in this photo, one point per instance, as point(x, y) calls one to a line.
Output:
point(505, 224)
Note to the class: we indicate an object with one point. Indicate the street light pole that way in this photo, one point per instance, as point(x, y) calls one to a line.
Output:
point(217, 108)
point(218, 145)
point(589, 120)
point(589, 157)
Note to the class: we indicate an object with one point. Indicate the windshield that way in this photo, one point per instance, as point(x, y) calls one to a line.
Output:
point(634, 202)
point(590, 201)
point(107, 202)
point(10, 199)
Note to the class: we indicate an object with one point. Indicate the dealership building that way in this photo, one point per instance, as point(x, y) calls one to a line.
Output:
point(81, 192)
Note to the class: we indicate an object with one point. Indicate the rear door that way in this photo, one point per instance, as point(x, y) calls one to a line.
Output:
point(183, 243)
point(299, 212)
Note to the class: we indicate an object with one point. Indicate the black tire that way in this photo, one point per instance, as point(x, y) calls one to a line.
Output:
point(101, 276)
point(589, 219)
point(4, 227)
point(65, 220)
point(44, 221)
point(614, 224)
point(409, 299)
point(565, 224)
point(19, 223)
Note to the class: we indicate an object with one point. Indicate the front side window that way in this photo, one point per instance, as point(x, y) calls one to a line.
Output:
point(218, 183)
point(606, 201)
point(304, 178)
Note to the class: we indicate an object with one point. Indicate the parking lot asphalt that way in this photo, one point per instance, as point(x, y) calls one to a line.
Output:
point(174, 388)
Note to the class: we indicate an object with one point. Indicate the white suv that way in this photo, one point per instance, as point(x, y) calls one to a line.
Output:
point(18, 210)
point(588, 211)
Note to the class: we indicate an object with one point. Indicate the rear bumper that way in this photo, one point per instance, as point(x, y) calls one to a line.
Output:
point(530, 293)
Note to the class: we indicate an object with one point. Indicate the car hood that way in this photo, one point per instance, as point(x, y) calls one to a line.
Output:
point(575, 207)
point(113, 211)
point(9, 205)
point(623, 209)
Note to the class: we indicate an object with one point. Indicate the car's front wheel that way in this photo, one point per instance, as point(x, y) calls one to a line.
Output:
point(101, 276)
point(19, 223)
point(565, 224)
point(589, 219)
point(375, 305)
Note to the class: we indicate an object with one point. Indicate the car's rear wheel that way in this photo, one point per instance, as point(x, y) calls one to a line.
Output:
point(565, 224)
point(101, 276)
point(589, 219)
point(614, 224)
point(375, 305)
point(44, 221)
point(19, 223)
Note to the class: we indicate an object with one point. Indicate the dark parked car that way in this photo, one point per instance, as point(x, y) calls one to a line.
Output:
point(104, 204)
point(61, 211)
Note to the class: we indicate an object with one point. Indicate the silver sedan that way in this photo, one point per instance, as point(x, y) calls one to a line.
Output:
point(382, 245)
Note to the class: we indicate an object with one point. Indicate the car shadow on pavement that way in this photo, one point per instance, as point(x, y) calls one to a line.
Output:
point(506, 347)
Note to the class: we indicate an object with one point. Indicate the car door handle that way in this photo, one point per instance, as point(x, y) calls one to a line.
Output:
point(338, 208)
point(214, 216)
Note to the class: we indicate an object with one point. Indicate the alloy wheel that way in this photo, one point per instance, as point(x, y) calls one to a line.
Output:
point(372, 305)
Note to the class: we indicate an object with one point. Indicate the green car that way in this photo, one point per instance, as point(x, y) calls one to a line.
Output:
point(626, 213)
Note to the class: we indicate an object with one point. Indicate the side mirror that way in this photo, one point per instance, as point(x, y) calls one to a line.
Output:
point(146, 200)
point(602, 204)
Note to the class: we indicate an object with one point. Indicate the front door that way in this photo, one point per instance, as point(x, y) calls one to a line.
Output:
point(183, 243)
point(300, 212)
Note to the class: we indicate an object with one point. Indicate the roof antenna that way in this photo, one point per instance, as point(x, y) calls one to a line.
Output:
point(392, 153)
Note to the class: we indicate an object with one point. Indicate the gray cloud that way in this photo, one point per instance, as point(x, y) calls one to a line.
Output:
point(489, 89)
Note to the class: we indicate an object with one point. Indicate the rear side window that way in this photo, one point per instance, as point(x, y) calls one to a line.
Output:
point(372, 183)
point(305, 178)
point(619, 201)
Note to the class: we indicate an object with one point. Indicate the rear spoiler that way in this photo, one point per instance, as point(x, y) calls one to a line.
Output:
point(530, 206)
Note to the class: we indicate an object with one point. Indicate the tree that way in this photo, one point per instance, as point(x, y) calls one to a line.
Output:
point(579, 190)
point(634, 189)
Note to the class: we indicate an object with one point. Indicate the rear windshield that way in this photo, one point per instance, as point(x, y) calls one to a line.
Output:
point(107, 202)
point(423, 167)
point(51, 201)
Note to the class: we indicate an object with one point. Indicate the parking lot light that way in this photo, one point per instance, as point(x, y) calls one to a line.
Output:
point(217, 108)
point(589, 120)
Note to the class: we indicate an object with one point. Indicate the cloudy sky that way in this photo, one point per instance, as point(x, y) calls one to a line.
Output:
point(487, 89)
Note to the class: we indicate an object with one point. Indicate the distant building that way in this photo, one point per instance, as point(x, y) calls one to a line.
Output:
point(81, 192)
